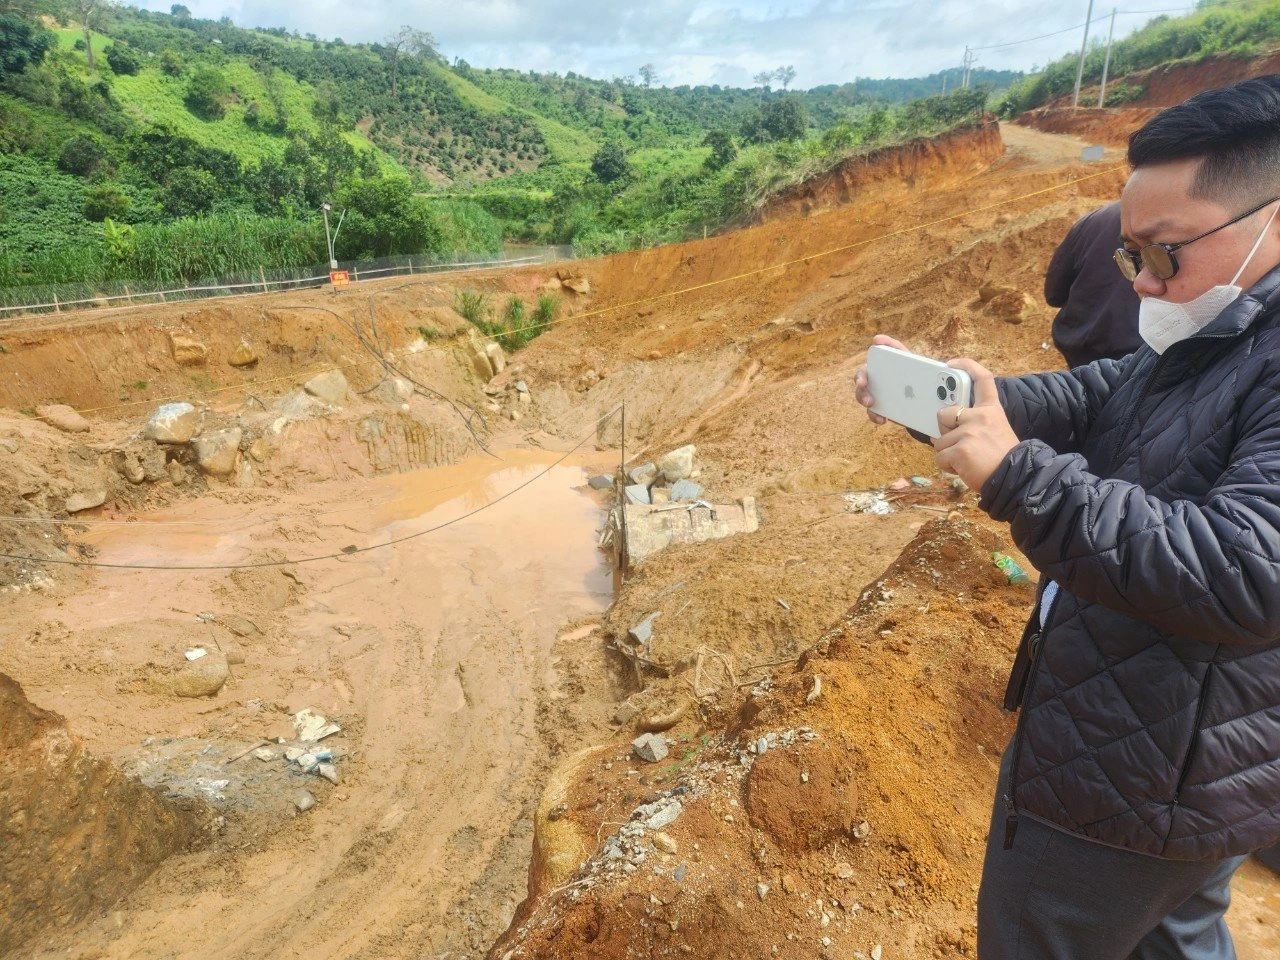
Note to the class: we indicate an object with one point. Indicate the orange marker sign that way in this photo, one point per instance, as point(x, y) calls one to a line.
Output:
point(339, 278)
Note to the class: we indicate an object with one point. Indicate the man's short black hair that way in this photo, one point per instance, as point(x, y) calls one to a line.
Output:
point(1234, 132)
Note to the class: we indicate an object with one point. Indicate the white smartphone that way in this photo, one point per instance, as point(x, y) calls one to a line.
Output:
point(910, 389)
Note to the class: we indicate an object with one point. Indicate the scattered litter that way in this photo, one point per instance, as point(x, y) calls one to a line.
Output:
point(211, 789)
point(307, 762)
point(921, 482)
point(902, 483)
point(196, 653)
point(869, 502)
point(783, 604)
point(1013, 573)
point(311, 726)
point(206, 616)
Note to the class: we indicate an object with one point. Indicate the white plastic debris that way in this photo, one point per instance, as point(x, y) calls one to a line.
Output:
point(312, 726)
point(196, 653)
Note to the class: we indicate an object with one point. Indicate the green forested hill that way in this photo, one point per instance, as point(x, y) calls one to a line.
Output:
point(140, 146)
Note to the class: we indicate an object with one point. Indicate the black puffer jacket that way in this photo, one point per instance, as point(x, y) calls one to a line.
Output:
point(1149, 490)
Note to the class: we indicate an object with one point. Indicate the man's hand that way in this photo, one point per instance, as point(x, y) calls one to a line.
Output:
point(974, 439)
point(860, 381)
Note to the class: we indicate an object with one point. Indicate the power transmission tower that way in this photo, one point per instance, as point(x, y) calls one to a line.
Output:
point(1102, 91)
point(1075, 100)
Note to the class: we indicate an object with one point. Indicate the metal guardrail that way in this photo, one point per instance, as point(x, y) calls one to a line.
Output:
point(215, 290)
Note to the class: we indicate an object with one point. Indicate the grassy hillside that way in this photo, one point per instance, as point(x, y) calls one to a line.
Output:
point(1233, 27)
point(187, 131)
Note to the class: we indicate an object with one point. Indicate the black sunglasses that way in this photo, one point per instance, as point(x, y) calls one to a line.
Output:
point(1159, 258)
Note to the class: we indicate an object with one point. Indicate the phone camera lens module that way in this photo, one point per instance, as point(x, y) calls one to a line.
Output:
point(942, 393)
point(951, 383)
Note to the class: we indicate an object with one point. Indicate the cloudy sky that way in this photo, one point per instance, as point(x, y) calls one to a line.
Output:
point(705, 41)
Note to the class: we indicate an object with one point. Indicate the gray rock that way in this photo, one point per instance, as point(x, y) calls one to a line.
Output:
point(86, 500)
point(216, 451)
point(304, 801)
point(642, 632)
point(645, 474)
point(600, 482)
point(173, 423)
point(330, 386)
point(685, 490)
point(328, 771)
point(65, 418)
point(678, 464)
point(762, 746)
point(240, 626)
point(680, 872)
point(762, 890)
point(637, 493)
point(664, 843)
point(522, 387)
point(666, 815)
point(650, 747)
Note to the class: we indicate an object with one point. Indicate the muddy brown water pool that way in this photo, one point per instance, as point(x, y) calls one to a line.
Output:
point(434, 654)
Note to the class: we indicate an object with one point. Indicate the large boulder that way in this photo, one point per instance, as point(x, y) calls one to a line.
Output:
point(216, 451)
point(244, 355)
point(678, 464)
point(86, 500)
point(63, 417)
point(188, 352)
point(478, 356)
point(173, 423)
point(330, 386)
point(198, 678)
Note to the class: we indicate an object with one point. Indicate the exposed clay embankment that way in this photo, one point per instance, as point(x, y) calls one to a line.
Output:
point(76, 834)
point(921, 164)
point(1110, 127)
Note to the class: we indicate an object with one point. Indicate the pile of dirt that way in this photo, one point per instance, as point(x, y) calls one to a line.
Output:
point(838, 808)
point(76, 834)
point(1110, 126)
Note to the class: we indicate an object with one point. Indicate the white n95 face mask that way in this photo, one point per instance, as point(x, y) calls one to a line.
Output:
point(1162, 324)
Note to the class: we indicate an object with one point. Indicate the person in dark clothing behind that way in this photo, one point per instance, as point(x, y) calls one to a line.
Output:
point(1098, 319)
point(1146, 491)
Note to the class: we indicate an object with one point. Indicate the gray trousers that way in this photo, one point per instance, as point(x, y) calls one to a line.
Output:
point(1058, 896)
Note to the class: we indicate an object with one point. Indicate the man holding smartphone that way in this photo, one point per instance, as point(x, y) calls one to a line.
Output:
point(1146, 762)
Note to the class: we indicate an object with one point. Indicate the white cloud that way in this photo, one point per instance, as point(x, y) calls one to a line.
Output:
point(695, 41)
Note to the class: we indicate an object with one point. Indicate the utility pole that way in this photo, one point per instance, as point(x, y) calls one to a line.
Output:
point(968, 62)
point(1102, 91)
point(1075, 100)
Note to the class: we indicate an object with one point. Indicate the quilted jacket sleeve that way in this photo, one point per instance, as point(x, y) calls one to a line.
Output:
point(1210, 572)
point(1058, 408)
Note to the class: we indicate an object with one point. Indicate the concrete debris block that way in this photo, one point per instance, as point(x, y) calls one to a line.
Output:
point(497, 359)
point(577, 284)
point(648, 529)
point(678, 464)
point(312, 726)
point(330, 386)
point(685, 490)
point(650, 747)
point(173, 423)
point(265, 754)
point(642, 632)
point(188, 352)
point(328, 771)
point(65, 418)
point(86, 500)
point(244, 355)
point(601, 481)
point(304, 801)
point(216, 450)
point(200, 678)
point(645, 473)
point(637, 493)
